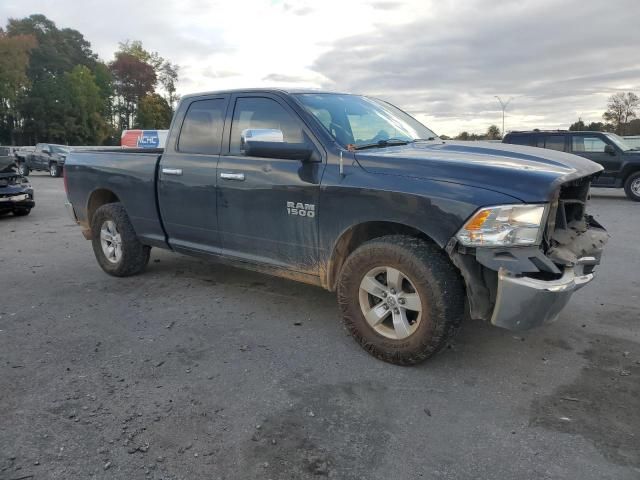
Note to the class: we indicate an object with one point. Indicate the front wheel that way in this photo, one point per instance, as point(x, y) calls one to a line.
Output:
point(115, 243)
point(23, 170)
point(632, 187)
point(401, 298)
point(22, 212)
point(54, 170)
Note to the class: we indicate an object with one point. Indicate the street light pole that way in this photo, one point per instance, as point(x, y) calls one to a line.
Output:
point(504, 107)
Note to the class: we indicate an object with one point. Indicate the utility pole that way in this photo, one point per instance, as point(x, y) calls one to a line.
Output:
point(504, 108)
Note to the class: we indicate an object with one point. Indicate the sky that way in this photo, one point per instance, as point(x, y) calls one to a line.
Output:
point(442, 61)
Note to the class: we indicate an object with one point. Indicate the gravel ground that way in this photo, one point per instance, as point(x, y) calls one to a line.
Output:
point(198, 371)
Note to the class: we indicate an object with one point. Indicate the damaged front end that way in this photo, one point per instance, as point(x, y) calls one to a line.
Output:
point(522, 287)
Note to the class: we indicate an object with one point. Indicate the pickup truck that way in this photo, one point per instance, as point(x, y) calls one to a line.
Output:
point(47, 157)
point(351, 194)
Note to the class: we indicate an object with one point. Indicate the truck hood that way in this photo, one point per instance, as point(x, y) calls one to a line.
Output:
point(525, 173)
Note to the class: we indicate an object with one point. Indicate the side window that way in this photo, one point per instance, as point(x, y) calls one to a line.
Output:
point(260, 112)
point(584, 144)
point(202, 127)
point(553, 142)
point(520, 140)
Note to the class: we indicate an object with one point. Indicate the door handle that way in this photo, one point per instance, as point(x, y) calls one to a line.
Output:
point(172, 171)
point(233, 176)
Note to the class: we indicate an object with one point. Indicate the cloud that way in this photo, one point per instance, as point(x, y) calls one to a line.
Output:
point(441, 60)
point(558, 60)
point(386, 5)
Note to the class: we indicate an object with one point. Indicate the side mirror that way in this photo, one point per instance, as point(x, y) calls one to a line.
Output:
point(609, 149)
point(269, 143)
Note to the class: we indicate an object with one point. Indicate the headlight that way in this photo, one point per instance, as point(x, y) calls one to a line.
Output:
point(504, 226)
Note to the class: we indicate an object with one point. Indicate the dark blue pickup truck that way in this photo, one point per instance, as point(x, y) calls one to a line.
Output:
point(351, 194)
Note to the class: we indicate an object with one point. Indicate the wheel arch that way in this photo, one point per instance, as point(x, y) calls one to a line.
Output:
point(354, 236)
point(630, 170)
point(98, 198)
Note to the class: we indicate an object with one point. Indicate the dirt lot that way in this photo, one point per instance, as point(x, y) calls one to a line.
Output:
point(197, 371)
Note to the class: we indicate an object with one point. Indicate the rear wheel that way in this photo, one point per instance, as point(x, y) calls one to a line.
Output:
point(401, 298)
point(23, 169)
point(115, 244)
point(632, 187)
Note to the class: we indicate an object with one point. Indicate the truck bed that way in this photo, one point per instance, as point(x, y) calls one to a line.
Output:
point(130, 174)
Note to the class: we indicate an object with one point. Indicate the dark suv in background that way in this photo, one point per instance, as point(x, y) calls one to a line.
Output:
point(621, 162)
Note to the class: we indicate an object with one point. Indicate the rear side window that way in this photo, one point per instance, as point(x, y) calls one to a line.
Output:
point(260, 112)
point(585, 144)
point(521, 140)
point(554, 142)
point(202, 127)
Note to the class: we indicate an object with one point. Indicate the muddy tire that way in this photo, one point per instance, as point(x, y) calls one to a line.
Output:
point(401, 298)
point(632, 187)
point(115, 243)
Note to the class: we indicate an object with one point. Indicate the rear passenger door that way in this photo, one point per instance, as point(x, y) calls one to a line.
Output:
point(267, 206)
point(553, 142)
point(34, 159)
point(592, 146)
point(187, 175)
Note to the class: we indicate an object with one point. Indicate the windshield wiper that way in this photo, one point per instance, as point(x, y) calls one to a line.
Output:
point(382, 143)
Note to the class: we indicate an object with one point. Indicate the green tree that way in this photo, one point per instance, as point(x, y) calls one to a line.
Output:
point(84, 122)
point(493, 133)
point(463, 136)
point(622, 108)
point(14, 60)
point(153, 113)
point(44, 105)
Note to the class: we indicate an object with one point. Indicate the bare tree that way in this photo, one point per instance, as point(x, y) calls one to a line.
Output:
point(621, 109)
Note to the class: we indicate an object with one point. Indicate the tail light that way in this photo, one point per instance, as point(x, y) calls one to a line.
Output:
point(64, 178)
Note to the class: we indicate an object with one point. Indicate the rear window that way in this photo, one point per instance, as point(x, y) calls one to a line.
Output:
point(554, 142)
point(202, 128)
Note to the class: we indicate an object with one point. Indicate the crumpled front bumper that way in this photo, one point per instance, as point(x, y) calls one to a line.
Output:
point(22, 199)
point(524, 302)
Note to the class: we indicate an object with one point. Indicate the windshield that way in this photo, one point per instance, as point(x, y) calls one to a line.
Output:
point(357, 121)
point(619, 141)
point(58, 149)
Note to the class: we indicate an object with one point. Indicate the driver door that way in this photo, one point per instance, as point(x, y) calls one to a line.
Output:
point(593, 147)
point(267, 207)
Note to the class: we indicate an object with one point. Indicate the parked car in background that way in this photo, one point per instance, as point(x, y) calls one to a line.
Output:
point(620, 160)
point(47, 157)
point(16, 194)
point(351, 194)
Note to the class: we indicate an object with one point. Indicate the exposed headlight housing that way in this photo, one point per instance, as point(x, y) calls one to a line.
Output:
point(504, 226)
